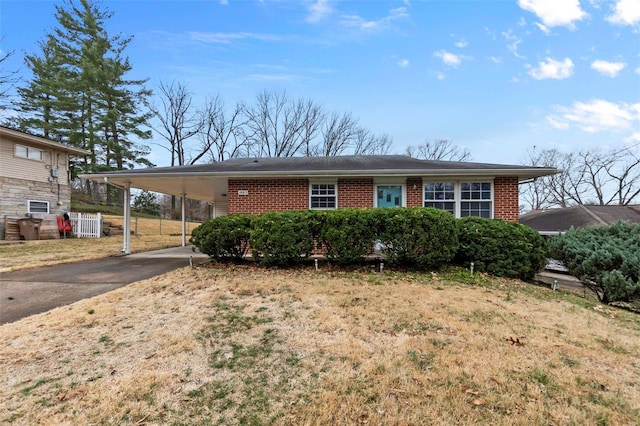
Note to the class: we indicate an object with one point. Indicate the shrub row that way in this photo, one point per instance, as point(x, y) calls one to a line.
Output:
point(414, 237)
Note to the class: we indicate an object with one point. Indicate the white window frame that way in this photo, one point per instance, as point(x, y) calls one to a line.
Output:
point(29, 206)
point(435, 201)
point(311, 195)
point(458, 193)
point(30, 152)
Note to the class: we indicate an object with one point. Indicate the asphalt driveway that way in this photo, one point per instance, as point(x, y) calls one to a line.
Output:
point(32, 291)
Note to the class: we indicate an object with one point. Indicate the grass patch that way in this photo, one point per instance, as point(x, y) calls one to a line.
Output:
point(233, 345)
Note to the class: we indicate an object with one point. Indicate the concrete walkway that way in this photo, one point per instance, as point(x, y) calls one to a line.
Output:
point(32, 291)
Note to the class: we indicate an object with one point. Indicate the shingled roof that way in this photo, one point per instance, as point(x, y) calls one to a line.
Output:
point(193, 179)
point(553, 221)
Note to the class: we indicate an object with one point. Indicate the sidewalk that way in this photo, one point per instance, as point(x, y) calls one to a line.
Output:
point(32, 291)
point(563, 280)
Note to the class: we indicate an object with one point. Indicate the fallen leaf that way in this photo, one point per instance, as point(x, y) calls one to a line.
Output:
point(479, 401)
point(72, 393)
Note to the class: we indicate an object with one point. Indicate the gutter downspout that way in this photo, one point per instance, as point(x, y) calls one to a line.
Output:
point(184, 215)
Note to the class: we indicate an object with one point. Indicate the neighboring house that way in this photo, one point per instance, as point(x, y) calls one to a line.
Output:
point(556, 221)
point(259, 185)
point(34, 177)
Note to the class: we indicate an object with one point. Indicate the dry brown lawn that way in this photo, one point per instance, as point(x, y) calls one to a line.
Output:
point(232, 345)
point(152, 234)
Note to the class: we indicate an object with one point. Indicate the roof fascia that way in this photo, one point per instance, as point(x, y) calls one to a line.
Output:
point(40, 141)
point(521, 173)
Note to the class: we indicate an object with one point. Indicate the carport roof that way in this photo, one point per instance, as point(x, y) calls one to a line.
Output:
point(208, 182)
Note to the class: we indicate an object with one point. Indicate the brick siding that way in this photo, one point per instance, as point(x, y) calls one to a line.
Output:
point(274, 195)
point(355, 193)
point(506, 193)
point(267, 195)
point(414, 195)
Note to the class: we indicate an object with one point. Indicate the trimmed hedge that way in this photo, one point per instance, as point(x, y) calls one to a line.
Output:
point(347, 235)
point(424, 238)
point(415, 237)
point(605, 258)
point(284, 238)
point(223, 238)
point(503, 249)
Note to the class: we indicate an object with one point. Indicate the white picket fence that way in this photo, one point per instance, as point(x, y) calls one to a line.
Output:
point(86, 225)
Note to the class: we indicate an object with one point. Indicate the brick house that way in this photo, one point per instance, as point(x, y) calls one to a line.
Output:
point(258, 185)
point(34, 177)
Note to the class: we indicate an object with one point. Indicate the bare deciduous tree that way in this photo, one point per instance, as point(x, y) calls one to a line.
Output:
point(222, 135)
point(280, 127)
point(338, 134)
point(586, 177)
point(439, 150)
point(7, 80)
point(366, 143)
point(179, 122)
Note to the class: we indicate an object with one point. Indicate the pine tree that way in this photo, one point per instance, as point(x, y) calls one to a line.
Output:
point(79, 90)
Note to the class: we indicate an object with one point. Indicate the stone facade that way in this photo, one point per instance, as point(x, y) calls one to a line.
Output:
point(13, 202)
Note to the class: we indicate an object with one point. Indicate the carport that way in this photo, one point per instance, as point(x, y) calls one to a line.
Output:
point(194, 182)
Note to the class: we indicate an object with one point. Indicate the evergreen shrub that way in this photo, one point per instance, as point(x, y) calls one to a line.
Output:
point(223, 238)
point(424, 238)
point(347, 235)
point(503, 249)
point(606, 259)
point(284, 238)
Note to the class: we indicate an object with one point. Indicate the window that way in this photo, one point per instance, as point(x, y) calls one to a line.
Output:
point(475, 191)
point(37, 206)
point(441, 196)
point(28, 152)
point(323, 196)
point(461, 199)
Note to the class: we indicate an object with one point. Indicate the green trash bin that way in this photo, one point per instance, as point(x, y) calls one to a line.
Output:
point(29, 228)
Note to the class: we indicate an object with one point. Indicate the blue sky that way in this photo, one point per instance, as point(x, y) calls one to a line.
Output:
point(496, 77)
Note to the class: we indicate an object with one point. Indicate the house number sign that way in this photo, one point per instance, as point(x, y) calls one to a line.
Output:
point(243, 192)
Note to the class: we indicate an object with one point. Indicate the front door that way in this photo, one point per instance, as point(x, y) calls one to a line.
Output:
point(389, 196)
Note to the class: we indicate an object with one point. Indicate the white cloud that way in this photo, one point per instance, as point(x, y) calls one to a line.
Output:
point(356, 21)
point(543, 28)
point(596, 115)
point(227, 38)
point(625, 12)
point(552, 69)
point(610, 69)
point(273, 77)
point(462, 43)
point(555, 13)
point(637, 70)
point(557, 123)
point(495, 59)
point(633, 138)
point(403, 63)
point(513, 42)
point(319, 10)
point(450, 59)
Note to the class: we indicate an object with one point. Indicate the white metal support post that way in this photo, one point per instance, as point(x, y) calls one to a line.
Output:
point(184, 218)
point(126, 237)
